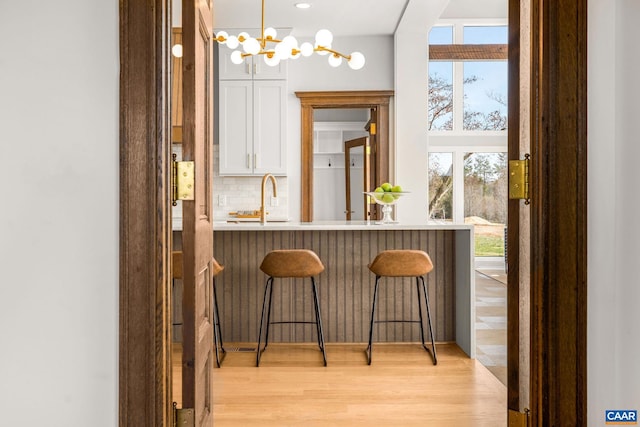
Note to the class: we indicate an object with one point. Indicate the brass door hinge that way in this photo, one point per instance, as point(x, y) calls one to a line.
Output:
point(184, 417)
point(519, 179)
point(182, 181)
point(519, 419)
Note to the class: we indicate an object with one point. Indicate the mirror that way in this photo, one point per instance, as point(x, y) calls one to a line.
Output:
point(377, 101)
point(334, 163)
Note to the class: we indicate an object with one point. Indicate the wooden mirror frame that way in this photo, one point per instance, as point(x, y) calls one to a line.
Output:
point(309, 101)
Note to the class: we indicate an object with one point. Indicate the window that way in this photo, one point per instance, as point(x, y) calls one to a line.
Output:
point(485, 200)
point(467, 141)
point(485, 96)
point(441, 186)
point(441, 83)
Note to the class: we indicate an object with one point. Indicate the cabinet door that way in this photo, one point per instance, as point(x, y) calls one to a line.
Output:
point(236, 132)
point(252, 68)
point(262, 71)
point(227, 70)
point(269, 127)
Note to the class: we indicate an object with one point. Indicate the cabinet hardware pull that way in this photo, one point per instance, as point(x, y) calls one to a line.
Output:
point(248, 161)
point(255, 161)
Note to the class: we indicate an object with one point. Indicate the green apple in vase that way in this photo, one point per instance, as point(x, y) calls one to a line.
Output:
point(386, 194)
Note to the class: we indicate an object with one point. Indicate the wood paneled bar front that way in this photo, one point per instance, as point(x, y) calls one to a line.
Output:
point(346, 285)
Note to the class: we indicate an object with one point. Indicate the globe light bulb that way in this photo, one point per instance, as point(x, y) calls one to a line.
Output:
point(292, 43)
point(176, 50)
point(271, 59)
point(306, 49)
point(324, 38)
point(283, 51)
point(251, 46)
point(335, 60)
point(357, 61)
point(270, 33)
point(232, 42)
point(236, 57)
point(222, 37)
point(243, 37)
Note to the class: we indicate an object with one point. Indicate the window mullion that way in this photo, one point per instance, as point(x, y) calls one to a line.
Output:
point(458, 186)
point(458, 83)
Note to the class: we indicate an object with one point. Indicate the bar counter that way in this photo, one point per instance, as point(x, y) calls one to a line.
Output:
point(346, 285)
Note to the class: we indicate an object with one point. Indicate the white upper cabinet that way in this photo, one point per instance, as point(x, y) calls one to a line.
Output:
point(252, 110)
point(254, 68)
point(252, 127)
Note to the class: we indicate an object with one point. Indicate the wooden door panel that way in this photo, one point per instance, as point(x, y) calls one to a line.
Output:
point(518, 238)
point(197, 232)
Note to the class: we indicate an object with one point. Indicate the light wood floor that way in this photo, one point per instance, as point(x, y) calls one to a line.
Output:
point(491, 321)
point(400, 388)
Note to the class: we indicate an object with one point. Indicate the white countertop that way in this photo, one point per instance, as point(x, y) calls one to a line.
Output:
point(331, 225)
point(282, 225)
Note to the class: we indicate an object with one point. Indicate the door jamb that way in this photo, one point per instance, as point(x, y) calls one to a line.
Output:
point(145, 215)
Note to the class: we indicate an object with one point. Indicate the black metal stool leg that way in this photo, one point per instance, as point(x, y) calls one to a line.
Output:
point(266, 338)
point(313, 291)
point(433, 343)
point(420, 312)
point(217, 332)
point(267, 287)
point(373, 311)
point(316, 306)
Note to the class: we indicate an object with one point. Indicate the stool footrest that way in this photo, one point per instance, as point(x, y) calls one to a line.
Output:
point(291, 321)
point(397, 321)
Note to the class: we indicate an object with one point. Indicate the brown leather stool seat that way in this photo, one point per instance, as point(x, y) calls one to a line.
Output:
point(289, 263)
point(403, 263)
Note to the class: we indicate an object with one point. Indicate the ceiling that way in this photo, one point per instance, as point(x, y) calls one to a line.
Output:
point(341, 17)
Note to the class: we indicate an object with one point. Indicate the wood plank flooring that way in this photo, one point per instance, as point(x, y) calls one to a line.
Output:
point(400, 388)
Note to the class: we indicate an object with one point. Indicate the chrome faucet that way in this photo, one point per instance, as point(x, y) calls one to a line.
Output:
point(263, 212)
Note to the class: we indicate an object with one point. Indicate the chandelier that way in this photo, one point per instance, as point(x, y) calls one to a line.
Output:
point(275, 50)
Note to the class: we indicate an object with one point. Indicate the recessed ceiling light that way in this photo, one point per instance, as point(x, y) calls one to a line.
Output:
point(303, 5)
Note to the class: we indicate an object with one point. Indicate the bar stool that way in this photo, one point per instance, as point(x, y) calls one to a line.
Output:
point(176, 273)
point(290, 263)
point(217, 331)
point(402, 263)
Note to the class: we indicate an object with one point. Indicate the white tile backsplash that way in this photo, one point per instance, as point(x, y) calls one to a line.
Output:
point(243, 193)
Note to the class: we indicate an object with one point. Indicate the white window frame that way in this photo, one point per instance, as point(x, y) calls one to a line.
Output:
point(459, 141)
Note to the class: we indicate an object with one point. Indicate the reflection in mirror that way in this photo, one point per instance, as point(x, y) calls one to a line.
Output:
point(332, 128)
point(356, 157)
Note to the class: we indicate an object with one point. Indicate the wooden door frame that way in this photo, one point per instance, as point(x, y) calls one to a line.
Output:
point(558, 342)
point(559, 213)
point(309, 101)
point(145, 215)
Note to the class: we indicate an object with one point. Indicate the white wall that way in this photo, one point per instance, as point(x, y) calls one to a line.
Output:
point(411, 67)
point(59, 215)
point(614, 229)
